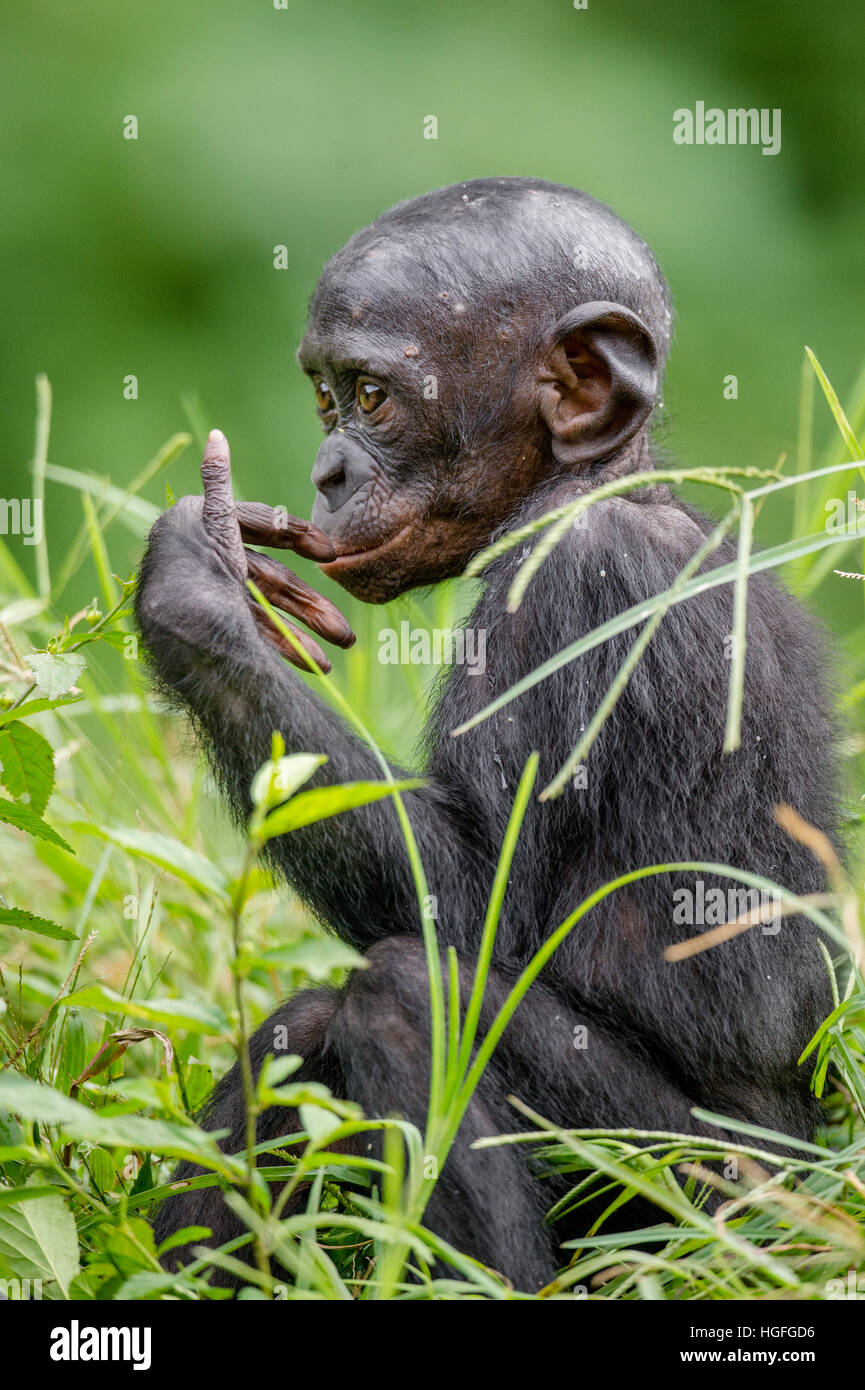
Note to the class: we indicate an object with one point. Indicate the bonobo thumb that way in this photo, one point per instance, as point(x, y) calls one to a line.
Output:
point(219, 516)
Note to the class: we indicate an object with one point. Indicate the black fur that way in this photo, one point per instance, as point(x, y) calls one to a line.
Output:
point(722, 1030)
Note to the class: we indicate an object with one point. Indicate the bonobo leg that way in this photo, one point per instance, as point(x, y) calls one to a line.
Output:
point(370, 1043)
point(305, 1019)
point(486, 1203)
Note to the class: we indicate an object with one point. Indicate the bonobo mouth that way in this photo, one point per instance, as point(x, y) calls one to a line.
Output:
point(348, 559)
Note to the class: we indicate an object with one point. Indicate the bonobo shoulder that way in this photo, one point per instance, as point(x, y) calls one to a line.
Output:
point(631, 545)
point(623, 551)
point(618, 545)
point(659, 526)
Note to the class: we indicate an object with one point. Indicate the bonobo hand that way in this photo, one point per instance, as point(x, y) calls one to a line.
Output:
point(197, 560)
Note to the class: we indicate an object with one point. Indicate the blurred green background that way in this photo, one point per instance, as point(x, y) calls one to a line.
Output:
point(261, 126)
point(154, 257)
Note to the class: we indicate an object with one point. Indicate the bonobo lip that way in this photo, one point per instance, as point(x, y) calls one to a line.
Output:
point(348, 558)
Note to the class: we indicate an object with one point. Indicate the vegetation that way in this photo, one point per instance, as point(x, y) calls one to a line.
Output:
point(141, 942)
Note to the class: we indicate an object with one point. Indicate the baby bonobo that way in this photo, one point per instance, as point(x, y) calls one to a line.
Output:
point(478, 356)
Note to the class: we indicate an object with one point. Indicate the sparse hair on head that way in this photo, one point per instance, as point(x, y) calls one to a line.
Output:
point(542, 247)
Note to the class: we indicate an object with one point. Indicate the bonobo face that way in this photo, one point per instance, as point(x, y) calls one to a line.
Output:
point(417, 469)
point(460, 358)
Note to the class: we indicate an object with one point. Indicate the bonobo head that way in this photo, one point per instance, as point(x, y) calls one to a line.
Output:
point(468, 347)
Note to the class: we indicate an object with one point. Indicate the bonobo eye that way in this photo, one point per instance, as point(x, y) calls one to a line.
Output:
point(370, 396)
point(324, 398)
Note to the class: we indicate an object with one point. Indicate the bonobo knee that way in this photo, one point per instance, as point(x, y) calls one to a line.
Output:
point(398, 965)
point(298, 1026)
point(387, 1004)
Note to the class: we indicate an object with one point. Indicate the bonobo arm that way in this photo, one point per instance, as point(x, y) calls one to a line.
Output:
point(657, 788)
point(210, 653)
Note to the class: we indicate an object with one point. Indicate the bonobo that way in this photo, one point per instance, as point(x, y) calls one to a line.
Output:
point(478, 356)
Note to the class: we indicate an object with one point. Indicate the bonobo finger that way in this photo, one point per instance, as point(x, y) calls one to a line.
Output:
point(284, 647)
point(220, 521)
point(284, 590)
point(262, 525)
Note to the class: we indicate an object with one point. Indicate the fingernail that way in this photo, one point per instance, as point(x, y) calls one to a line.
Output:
point(216, 437)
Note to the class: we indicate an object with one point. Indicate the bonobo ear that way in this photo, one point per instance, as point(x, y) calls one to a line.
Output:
point(599, 381)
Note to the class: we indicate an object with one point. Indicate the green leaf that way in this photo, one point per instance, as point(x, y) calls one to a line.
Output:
point(45, 1106)
point(38, 1240)
point(56, 673)
point(277, 780)
point(323, 802)
point(11, 1195)
point(73, 1058)
point(144, 1286)
point(836, 408)
point(198, 1082)
point(103, 1173)
point(10, 1130)
point(182, 1013)
point(275, 1070)
point(27, 921)
point(318, 1123)
point(37, 706)
point(186, 1236)
point(317, 957)
point(185, 863)
point(27, 764)
point(21, 610)
point(26, 819)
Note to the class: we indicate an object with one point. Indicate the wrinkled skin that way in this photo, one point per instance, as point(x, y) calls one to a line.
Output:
point(472, 372)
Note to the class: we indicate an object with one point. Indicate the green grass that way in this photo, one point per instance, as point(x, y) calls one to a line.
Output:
point(141, 942)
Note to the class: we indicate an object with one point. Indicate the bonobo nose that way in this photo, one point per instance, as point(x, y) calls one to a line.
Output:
point(341, 467)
